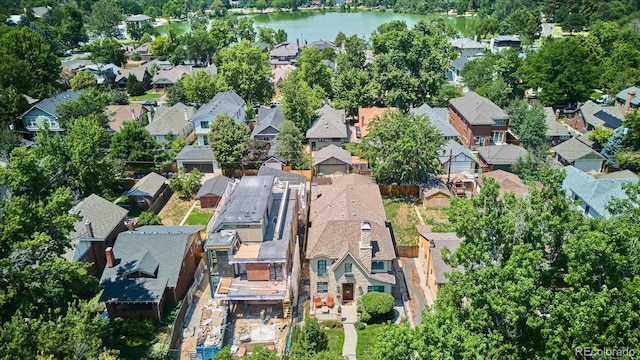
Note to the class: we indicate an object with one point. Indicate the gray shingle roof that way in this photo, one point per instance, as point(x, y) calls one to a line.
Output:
point(49, 105)
point(284, 49)
point(450, 241)
point(477, 110)
point(506, 154)
point(227, 102)
point(195, 153)
point(148, 186)
point(597, 115)
point(268, 117)
point(323, 44)
point(138, 72)
point(104, 216)
point(459, 63)
point(282, 175)
point(172, 119)
point(554, 128)
point(157, 250)
point(331, 151)
point(574, 149)
point(453, 148)
point(214, 186)
point(438, 118)
point(466, 43)
point(329, 124)
point(138, 17)
point(172, 75)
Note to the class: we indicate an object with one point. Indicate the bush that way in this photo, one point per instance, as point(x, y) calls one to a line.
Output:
point(359, 325)
point(158, 351)
point(377, 305)
point(148, 218)
point(331, 324)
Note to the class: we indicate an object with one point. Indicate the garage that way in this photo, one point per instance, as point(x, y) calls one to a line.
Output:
point(332, 160)
point(462, 160)
point(587, 165)
point(580, 155)
point(201, 166)
point(197, 157)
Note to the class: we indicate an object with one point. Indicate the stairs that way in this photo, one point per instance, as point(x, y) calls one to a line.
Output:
point(286, 309)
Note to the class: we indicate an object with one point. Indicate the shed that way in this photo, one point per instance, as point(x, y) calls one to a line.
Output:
point(212, 190)
point(435, 195)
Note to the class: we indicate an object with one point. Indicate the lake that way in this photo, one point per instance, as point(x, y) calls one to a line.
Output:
point(311, 25)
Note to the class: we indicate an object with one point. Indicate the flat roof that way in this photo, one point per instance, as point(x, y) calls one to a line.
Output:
point(248, 202)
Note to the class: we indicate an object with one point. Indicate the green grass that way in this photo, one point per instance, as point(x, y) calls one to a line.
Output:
point(367, 339)
point(149, 95)
point(198, 217)
point(401, 214)
point(336, 340)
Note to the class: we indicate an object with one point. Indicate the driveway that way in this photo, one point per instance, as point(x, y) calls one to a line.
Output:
point(547, 29)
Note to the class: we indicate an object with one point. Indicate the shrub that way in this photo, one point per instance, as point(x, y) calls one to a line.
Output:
point(331, 324)
point(148, 218)
point(359, 325)
point(377, 305)
point(158, 351)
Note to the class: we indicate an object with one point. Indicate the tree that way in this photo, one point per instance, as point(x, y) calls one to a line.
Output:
point(90, 103)
point(394, 342)
point(172, 9)
point(528, 123)
point(376, 305)
point(353, 89)
point(261, 5)
point(107, 51)
point(105, 18)
point(67, 25)
point(255, 153)
point(267, 35)
point(281, 36)
point(290, 144)
point(573, 22)
point(402, 148)
point(313, 70)
point(199, 46)
point(135, 145)
point(299, 101)
point(228, 141)
point(340, 37)
point(613, 145)
point(149, 218)
point(199, 87)
point(136, 32)
point(134, 87)
point(262, 353)
point(310, 341)
point(83, 80)
point(221, 31)
point(600, 135)
point(14, 105)
point(246, 69)
point(244, 30)
point(176, 94)
point(186, 184)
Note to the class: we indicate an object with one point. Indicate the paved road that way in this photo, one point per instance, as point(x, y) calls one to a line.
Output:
point(547, 29)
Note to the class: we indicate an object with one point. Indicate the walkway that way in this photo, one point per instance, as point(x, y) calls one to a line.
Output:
point(349, 316)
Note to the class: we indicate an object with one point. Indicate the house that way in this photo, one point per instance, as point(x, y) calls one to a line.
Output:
point(148, 191)
point(211, 191)
point(284, 176)
point(457, 159)
point(44, 112)
point(253, 246)
point(434, 262)
point(323, 44)
point(267, 123)
point(467, 48)
point(438, 118)
point(284, 54)
point(141, 73)
point(365, 115)
point(280, 74)
point(172, 120)
point(104, 73)
point(158, 65)
point(197, 157)
point(499, 156)
point(262, 45)
point(228, 103)
point(328, 128)
point(40, 11)
point(590, 115)
point(349, 246)
point(453, 73)
point(119, 114)
point(165, 78)
point(594, 194)
point(628, 99)
point(507, 181)
point(435, 194)
point(144, 50)
point(574, 152)
point(273, 160)
point(138, 20)
point(504, 42)
point(478, 120)
point(556, 132)
point(98, 223)
point(332, 160)
point(75, 65)
point(148, 269)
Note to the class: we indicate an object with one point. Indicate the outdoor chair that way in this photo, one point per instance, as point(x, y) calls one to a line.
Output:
point(317, 301)
point(330, 301)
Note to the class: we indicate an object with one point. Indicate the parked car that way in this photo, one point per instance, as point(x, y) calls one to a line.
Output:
point(150, 103)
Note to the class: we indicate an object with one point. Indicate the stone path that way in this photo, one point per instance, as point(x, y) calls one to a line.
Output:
point(349, 316)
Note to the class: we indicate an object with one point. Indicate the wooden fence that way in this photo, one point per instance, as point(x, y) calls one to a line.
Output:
point(161, 201)
point(397, 190)
point(407, 251)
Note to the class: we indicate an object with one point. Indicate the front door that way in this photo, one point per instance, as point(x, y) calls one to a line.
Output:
point(347, 292)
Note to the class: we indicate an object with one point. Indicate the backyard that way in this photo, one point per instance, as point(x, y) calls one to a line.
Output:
point(401, 213)
point(174, 210)
point(199, 216)
point(367, 339)
point(149, 95)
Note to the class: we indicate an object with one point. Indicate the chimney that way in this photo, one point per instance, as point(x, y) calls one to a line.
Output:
point(366, 251)
point(89, 228)
point(111, 258)
point(557, 114)
point(133, 113)
point(186, 116)
point(149, 117)
point(630, 95)
point(298, 43)
point(130, 224)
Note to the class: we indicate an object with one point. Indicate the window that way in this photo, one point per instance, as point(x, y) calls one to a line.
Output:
point(378, 265)
point(205, 140)
point(348, 268)
point(374, 288)
point(322, 267)
point(479, 140)
point(500, 122)
point(497, 137)
point(587, 209)
point(204, 124)
point(30, 123)
point(323, 287)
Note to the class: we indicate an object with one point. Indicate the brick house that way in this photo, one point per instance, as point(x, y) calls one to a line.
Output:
point(211, 191)
point(478, 120)
point(148, 269)
point(432, 259)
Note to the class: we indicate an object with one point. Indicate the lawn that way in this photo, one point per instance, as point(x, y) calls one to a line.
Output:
point(402, 216)
point(174, 210)
point(437, 218)
point(149, 95)
point(367, 339)
point(336, 341)
point(199, 217)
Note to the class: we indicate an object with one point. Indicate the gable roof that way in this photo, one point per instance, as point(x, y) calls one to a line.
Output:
point(477, 110)
point(507, 182)
point(282, 175)
point(268, 117)
point(227, 102)
point(119, 114)
point(434, 186)
point(148, 186)
point(104, 217)
point(285, 49)
point(170, 119)
point(450, 241)
point(438, 118)
point(366, 115)
point(323, 44)
point(452, 149)
point(196, 152)
point(213, 186)
point(466, 43)
point(574, 149)
point(597, 115)
point(505, 154)
point(596, 193)
point(554, 128)
point(50, 104)
point(331, 151)
point(154, 251)
point(329, 124)
point(459, 63)
point(139, 72)
point(622, 95)
point(281, 72)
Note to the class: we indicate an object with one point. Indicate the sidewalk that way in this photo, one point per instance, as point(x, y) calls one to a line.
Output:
point(349, 315)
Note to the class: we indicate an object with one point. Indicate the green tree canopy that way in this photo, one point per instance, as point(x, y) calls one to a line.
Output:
point(105, 18)
point(528, 123)
point(90, 103)
point(199, 87)
point(313, 70)
point(134, 145)
point(83, 80)
point(148, 218)
point(353, 89)
point(290, 144)
point(299, 101)
point(107, 51)
point(228, 141)
point(186, 184)
point(246, 69)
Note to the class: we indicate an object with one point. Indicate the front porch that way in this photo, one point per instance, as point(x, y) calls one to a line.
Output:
point(348, 313)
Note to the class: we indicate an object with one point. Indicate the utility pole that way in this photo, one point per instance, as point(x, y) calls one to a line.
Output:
point(449, 167)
